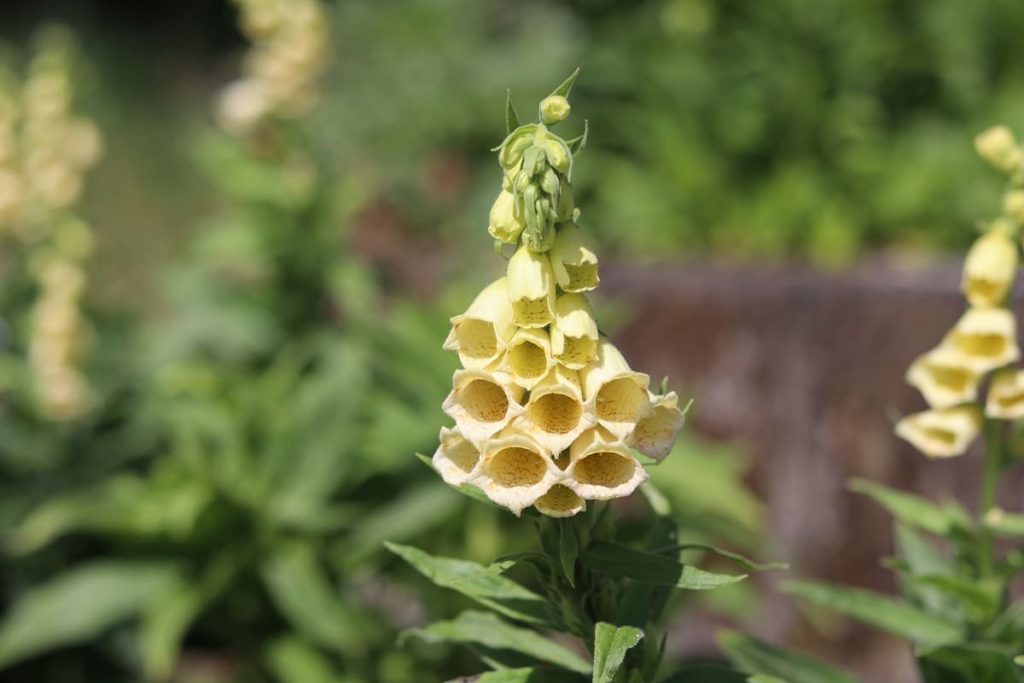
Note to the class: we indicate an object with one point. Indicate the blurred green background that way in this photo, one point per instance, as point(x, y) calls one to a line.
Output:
point(266, 339)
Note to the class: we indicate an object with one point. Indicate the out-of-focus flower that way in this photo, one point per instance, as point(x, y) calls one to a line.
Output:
point(941, 433)
point(616, 394)
point(573, 261)
point(602, 466)
point(516, 470)
point(574, 332)
point(990, 269)
point(531, 288)
point(986, 339)
point(481, 334)
point(1006, 395)
point(504, 223)
point(944, 378)
point(998, 146)
point(528, 358)
point(656, 434)
point(560, 501)
point(456, 459)
point(555, 413)
point(482, 403)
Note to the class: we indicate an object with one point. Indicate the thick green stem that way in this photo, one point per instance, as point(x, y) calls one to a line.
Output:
point(989, 489)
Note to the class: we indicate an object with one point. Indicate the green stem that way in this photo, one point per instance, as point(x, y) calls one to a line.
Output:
point(989, 489)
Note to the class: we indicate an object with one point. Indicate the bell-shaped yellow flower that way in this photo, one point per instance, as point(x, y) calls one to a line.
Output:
point(555, 414)
point(456, 459)
point(1006, 395)
point(944, 378)
point(482, 403)
point(531, 288)
point(990, 269)
point(574, 332)
point(998, 146)
point(516, 470)
point(616, 395)
point(528, 359)
point(986, 339)
point(480, 334)
point(504, 224)
point(574, 262)
point(941, 433)
point(560, 501)
point(656, 434)
point(601, 466)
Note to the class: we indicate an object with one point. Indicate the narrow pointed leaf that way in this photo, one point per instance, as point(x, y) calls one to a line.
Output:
point(618, 560)
point(577, 144)
point(610, 646)
point(970, 663)
point(706, 674)
point(526, 675)
point(763, 659)
point(293, 660)
point(568, 551)
point(913, 510)
point(511, 115)
point(739, 559)
point(566, 86)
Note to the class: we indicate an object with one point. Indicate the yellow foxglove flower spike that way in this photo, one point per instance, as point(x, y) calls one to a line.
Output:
point(516, 470)
point(482, 403)
point(990, 269)
point(574, 332)
point(573, 261)
point(528, 359)
point(656, 434)
point(531, 288)
point(944, 378)
point(1006, 395)
point(555, 414)
point(986, 339)
point(616, 395)
point(481, 334)
point(456, 459)
point(602, 467)
point(504, 223)
point(560, 501)
point(941, 433)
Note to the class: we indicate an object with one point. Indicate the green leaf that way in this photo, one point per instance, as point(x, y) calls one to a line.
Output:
point(566, 86)
point(304, 593)
point(484, 585)
point(978, 596)
point(80, 605)
point(511, 115)
point(293, 660)
point(1006, 524)
point(618, 560)
point(914, 510)
point(969, 663)
point(579, 143)
point(758, 657)
point(610, 646)
point(486, 629)
point(568, 549)
point(739, 559)
point(528, 675)
point(878, 610)
point(706, 674)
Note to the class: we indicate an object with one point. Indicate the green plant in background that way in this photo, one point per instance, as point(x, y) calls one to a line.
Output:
point(549, 416)
point(956, 606)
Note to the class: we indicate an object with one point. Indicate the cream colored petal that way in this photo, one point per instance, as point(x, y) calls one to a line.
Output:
point(528, 359)
point(515, 470)
point(986, 338)
point(482, 403)
point(944, 378)
point(480, 334)
point(456, 459)
point(531, 288)
point(560, 501)
point(574, 333)
point(941, 433)
point(602, 466)
point(1006, 396)
point(555, 413)
point(656, 434)
point(616, 395)
point(990, 268)
point(573, 261)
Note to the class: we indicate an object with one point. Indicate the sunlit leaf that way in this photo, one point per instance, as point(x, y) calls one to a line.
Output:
point(610, 646)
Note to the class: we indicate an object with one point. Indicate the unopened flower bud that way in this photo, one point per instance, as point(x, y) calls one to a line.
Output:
point(560, 501)
point(944, 378)
point(602, 466)
point(574, 332)
point(482, 403)
point(656, 434)
point(554, 108)
point(557, 153)
point(573, 261)
point(616, 395)
point(511, 152)
point(998, 146)
point(985, 338)
point(480, 334)
point(531, 288)
point(1013, 206)
point(941, 433)
point(504, 224)
point(1006, 396)
point(990, 268)
point(516, 470)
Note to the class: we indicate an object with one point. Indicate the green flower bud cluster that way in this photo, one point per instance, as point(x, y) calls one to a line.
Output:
point(536, 195)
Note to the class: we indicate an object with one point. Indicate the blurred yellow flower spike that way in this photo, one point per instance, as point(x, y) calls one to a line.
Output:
point(528, 359)
point(481, 334)
point(573, 261)
point(560, 501)
point(944, 378)
point(941, 433)
point(574, 332)
point(482, 403)
point(555, 414)
point(656, 434)
point(456, 459)
point(616, 395)
point(504, 224)
point(602, 466)
point(998, 146)
point(990, 269)
point(531, 288)
point(516, 471)
point(1006, 395)
point(986, 338)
